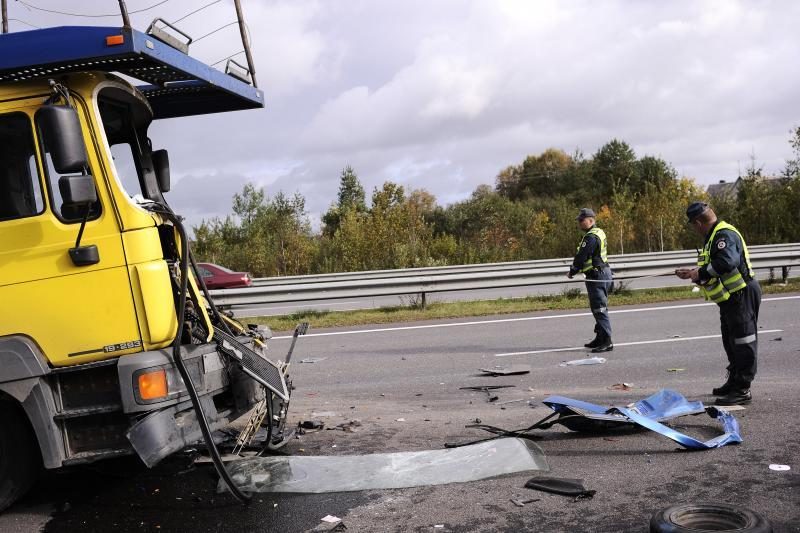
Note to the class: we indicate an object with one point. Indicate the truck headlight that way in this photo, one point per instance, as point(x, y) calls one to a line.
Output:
point(161, 383)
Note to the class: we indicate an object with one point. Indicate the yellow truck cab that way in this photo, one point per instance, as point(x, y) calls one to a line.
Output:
point(109, 344)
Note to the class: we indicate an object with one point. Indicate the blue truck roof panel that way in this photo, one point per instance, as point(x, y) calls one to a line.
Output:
point(176, 84)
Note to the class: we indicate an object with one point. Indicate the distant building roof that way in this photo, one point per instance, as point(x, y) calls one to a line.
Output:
point(724, 189)
point(729, 189)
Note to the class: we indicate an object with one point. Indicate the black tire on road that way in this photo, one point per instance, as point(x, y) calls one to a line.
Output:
point(20, 460)
point(706, 518)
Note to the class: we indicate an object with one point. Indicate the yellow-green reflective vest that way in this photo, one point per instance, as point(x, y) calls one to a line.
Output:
point(719, 288)
point(601, 235)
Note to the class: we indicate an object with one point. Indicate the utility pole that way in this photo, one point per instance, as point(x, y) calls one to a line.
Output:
point(245, 41)
point(5, 15)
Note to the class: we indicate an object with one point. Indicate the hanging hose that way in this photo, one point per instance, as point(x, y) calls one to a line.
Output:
point(179, 364)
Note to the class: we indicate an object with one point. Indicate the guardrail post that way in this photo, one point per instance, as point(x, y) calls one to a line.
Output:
point(785, 274)
point(423, 303)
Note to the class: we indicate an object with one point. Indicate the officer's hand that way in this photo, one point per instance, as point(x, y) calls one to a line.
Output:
point(688, 273)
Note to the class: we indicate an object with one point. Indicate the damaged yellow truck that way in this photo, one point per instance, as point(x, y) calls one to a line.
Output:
point(109, 344)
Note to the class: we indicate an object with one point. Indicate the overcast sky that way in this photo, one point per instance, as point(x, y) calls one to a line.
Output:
point(442, 94)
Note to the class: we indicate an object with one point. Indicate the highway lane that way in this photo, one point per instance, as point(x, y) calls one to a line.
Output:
point(413, 372)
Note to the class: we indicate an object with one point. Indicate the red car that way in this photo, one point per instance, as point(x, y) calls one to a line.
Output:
point(219, 277)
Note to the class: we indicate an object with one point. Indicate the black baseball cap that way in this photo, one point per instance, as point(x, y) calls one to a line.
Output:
point(585, 213)
point(695, 209)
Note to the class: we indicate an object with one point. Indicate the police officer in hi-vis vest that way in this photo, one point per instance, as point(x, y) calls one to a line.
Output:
point(592, 260)
point(726, 277)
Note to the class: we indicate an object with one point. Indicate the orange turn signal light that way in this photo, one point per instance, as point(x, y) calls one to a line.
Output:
point(114, 40)
point(153, 385)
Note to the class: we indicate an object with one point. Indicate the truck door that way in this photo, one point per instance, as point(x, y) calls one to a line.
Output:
point(76, 314)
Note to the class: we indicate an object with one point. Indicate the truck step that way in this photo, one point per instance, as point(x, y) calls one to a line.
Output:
point(263, 371)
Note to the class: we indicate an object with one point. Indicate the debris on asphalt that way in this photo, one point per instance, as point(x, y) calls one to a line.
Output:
point(312, 424)
point(348, 427)
point(487, 389)
point(312, 359)
point(329, 524)
point(589, 361)
point(780, 468)
point(676, 336)
point(621, 386)
point(565, 487)
point(778, 339)
point(523, 503)
point(506, 370)
point(676, 369)
point(347, 473)
point(649, 413)
point(400, 420)
point(511, 401)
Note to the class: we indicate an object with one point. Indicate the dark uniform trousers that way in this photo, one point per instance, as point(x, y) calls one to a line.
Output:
point(598, 298)
point(739, 318)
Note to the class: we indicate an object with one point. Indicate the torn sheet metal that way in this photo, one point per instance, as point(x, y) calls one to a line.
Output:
point(320, 474)
point(507, 370)
point(649, 413)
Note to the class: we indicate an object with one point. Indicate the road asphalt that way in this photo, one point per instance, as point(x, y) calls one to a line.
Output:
point(402, 383)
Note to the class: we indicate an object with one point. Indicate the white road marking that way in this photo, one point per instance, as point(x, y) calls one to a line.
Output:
point(657, 341)
point(519, 319)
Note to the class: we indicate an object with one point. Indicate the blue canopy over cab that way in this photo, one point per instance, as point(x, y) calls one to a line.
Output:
point(176, 85)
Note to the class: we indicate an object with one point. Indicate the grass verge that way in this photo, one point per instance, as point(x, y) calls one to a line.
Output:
point(569, 299)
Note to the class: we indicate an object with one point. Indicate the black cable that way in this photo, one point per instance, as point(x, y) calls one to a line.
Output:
point(269, 422)
point(27, 23)
point(195, 11)
point(224, 58)
point(209, 301)
point(31, 6)
point(187, 379)
point(215, 31)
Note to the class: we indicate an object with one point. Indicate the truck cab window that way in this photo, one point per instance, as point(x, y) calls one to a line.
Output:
point(20, 186)
point(124, 142)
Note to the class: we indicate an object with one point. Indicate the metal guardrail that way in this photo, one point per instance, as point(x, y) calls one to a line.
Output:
point(473, 277)
point(488, 267)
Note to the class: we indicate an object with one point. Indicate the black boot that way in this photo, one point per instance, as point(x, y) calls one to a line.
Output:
point(728, 386)
point(605, 345)
point(594, 343)
point(736, 396)
point(723, 389)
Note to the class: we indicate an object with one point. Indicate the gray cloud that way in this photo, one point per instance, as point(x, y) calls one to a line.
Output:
point(442, 95)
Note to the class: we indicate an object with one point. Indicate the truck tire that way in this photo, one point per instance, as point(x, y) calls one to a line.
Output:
point(708, 517)
point(20, 460)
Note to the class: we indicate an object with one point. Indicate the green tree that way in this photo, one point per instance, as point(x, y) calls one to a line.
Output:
point(350, 196)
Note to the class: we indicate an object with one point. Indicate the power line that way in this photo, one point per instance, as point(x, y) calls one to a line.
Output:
point(26, 23)
point(215, 31)
point(195, 11)
point(31, 6)
point(224, 58)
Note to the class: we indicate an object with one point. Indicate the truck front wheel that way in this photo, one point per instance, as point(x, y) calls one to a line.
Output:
point(20, 460)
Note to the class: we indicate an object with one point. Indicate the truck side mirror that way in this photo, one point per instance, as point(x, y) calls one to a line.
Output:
point(161, 168)
point(78, 192)
point(61, 130)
